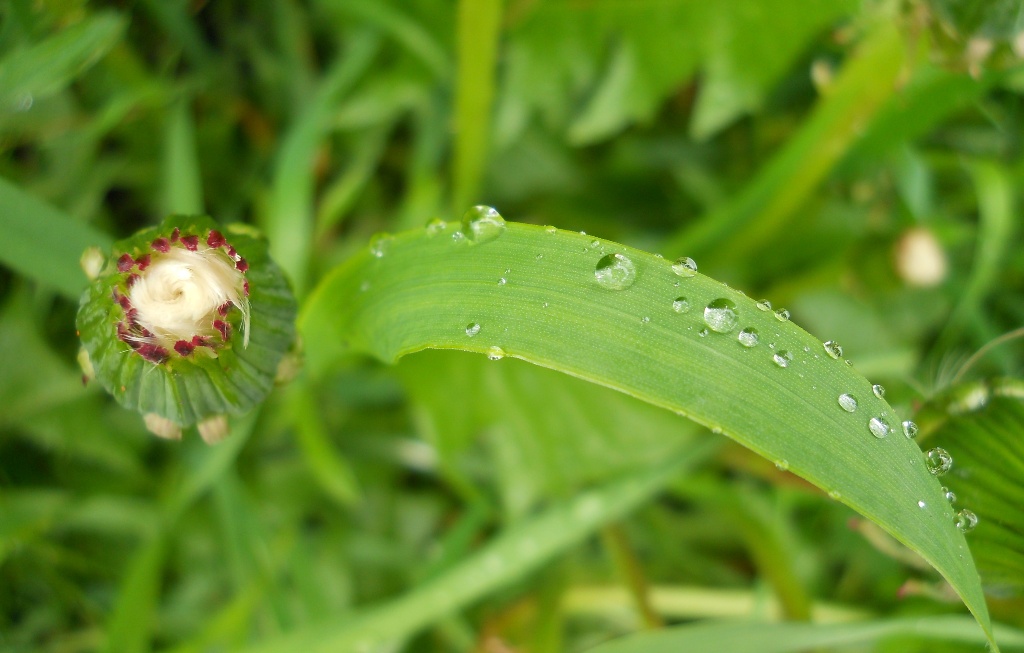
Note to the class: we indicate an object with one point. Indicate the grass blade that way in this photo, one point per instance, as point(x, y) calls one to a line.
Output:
point(522, 549)
point(739, 637)
point(534, 295)
point(479, 27)
point(31, 246)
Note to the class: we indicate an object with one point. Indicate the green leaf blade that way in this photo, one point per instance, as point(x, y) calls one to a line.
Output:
point(549, 310)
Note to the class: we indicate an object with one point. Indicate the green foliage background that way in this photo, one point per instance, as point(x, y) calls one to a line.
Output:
point(790, 147)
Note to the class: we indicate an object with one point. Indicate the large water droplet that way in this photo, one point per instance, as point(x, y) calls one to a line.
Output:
point(966, 520)
point(615, 272)
point(380, 243)
point(495, 353)
point(482, 224)
point(848, 402)
point(748, 337)
point(680, 305)
point(685, 266)
point(782, 315)
point(764, 305)
point(878, 427)
point(833, 349)
point(472, 329)
point(909, 429)
point(938, 461)
point(435, 226)
point(720, 315)
point(878, 390)
point(782, 358)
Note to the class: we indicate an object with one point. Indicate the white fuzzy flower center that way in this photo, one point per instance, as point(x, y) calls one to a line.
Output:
point(178, 294)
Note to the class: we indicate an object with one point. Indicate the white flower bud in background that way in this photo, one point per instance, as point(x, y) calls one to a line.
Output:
point(92, 262)
point(920, 259)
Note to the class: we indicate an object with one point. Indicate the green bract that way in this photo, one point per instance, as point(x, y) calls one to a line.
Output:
point(186, 323)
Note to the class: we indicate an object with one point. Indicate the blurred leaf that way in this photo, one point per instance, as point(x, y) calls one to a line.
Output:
point(740, 637)
point(424, 289)
point(39, 71)
point(749, 46)
point(980, 425)
point(521, 549)
point(182, 182)
point(289, 221)
point(42, 243)
point(784, 183)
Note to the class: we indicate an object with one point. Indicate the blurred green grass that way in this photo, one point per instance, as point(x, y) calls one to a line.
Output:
point(760, 137)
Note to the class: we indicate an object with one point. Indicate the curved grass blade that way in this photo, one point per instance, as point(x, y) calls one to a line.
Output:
point(532, 293)
point(740, 637)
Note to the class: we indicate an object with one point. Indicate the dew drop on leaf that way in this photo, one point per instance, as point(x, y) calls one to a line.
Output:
point(909, 429)
point(950, 495)
point(482, 224)
point(833, 349)
point(764, 305)
point(685, 266)
point(966, 521)
point(938, 461)
point(878, 427)
point(495, 353)
point(720, 315)
point(878, 390)
point(472, 329)
point(702, 333)
point(379, 244)
point(748, 337)
point(782, 358)
point(615, 272)
point(435, 226)
point(680, 305)
point(848, 402)
point(782, 315)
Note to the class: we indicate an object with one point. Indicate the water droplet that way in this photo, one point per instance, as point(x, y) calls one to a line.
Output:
point(938, 461)
point(645, 320)
point(833, 349)
point(782, 315)
point(909, 429)
point(720, 315)
point(782, 465)
point(544, 305)
point(435, 226)
point(502, 281)
point(966, 521)
point(949, 495)
point(379, 244)
point(921, 504)
point(782, 358)
point(848, 402)
point(764, 305)
point(878, 390)
point(595, 243)
point(550, 230)
point(685, 266)
point(702, 333)
point(458, 237)
point(680, 305)
point(472, 329)
point(495, 353)
point(878, 427)
point(482, 224)
point(539, 256)
point(615, 272)
point(835, 495)
point(748, 337)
